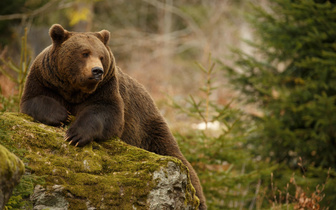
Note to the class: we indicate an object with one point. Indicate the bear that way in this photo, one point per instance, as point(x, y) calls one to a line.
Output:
point(77, 75)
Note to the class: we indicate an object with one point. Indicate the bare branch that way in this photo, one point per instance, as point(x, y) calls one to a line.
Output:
point(45, 8)
point(179, 13)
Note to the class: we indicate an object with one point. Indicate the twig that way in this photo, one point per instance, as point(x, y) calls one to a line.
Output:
point(178, 12)
point(47, 7)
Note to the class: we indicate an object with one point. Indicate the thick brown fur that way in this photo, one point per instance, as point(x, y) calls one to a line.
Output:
point(77, 75)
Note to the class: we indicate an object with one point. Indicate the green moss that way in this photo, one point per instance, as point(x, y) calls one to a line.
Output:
point(9, 164)
point(110, 173)
point(22, 192)
point(11, 170)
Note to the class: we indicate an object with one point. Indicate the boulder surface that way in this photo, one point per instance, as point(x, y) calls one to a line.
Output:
point(101, 175)
point(11, 170)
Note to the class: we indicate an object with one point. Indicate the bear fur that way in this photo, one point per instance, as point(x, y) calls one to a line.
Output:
point(77, 75)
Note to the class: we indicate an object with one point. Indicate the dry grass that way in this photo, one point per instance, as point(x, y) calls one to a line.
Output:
point(302, 199)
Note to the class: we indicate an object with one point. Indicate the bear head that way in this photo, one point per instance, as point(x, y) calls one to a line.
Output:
point(82, 59)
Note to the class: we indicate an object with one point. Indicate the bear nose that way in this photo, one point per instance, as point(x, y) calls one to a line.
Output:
point(97, 72)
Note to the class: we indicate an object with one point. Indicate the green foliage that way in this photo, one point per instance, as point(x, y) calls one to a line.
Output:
point(8, 103)
point(228, 174)
point(20, 72)
point(291, 77)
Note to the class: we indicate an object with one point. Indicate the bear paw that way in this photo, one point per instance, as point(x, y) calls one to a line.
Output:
point(59, 117)
point(77, 138)
point(46, 110)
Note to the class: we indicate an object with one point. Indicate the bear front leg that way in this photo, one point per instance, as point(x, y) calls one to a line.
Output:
point(45, 110)
point(95, 123)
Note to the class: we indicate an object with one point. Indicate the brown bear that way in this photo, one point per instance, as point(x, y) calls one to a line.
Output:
point(77, 75)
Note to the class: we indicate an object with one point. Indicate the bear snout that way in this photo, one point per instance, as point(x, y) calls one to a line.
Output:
point(97, 73)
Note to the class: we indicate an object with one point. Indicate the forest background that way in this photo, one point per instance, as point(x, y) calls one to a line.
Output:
point(247, 87)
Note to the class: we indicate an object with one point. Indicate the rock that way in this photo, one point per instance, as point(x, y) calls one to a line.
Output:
point(104, 175)
point(169, 193)
point(51, 199)
point(11, 170)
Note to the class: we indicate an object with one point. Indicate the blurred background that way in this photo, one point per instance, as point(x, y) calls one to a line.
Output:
point(248, 87)
point(156, 42)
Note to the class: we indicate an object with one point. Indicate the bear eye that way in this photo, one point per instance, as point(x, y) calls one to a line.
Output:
point(101, 59)
point(85, 54)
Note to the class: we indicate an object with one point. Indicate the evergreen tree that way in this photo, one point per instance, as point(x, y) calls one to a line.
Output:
point(214, 146)
point(291, 77)
point(293, 80)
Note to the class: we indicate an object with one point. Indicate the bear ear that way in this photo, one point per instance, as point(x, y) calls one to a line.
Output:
point(58, 34)
point(104, 36)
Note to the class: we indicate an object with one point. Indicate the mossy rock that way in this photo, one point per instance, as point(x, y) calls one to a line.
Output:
point(104, 175)
point(11, 170)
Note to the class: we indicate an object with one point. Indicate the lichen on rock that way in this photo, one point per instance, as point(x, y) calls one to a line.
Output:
point(103, 175)
point(49, 199)
point(170, 191)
